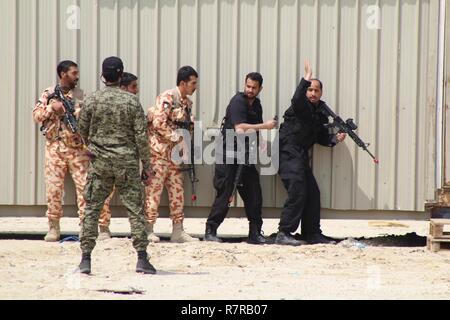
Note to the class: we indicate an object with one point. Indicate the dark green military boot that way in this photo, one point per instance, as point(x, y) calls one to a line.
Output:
point(143, 265)
point(85, 264)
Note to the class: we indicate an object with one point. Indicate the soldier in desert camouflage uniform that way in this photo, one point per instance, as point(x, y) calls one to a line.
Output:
point(172, 106)
point(129, 84)
point(64, 150)
point(113, 125)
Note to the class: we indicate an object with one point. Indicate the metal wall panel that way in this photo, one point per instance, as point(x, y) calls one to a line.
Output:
point(431, 171)
point(384, 78)
point(8, 60)
point(446, 111)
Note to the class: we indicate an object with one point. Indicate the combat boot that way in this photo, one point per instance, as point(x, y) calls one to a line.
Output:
point(54, 232)
point(85, 264)
point(318, 238)
point(211, 234)
point(151, 236)
point(143, 265)
point(104, 233)
point(255, 235)
point(179, 235)
point(284, 238)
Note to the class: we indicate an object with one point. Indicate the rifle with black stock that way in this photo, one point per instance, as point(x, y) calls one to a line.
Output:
point(188, 125)
point(69, 109)
point(237, 178)
point(347, 127)
point(236, 183)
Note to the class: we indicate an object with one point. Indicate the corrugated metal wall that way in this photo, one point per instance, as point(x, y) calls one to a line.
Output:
point(384, 78)
point(446, 114)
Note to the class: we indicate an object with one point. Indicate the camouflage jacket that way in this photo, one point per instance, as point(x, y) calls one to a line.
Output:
point(113, 125)
point(169, 109)
point(53, 126)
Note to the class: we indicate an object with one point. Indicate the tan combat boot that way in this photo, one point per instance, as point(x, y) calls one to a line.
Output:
point(103, 233)
point(54, 231)
point(179, 236)
point(151, 236)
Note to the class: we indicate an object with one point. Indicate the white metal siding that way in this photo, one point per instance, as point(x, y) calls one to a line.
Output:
point(446, 112)
point(384, 78)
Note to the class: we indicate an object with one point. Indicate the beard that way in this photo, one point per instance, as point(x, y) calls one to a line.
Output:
point(73, 84)
point(250, 95)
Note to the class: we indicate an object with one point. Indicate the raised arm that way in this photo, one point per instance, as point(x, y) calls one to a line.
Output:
point(299, 100)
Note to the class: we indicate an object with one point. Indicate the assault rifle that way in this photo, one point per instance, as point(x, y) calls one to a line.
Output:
point(237, 178)
point(188, 125)
point(69, 109)
point(236, 183)
point(347, 127)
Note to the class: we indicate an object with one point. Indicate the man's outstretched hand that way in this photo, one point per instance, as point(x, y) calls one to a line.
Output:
point(308, 70)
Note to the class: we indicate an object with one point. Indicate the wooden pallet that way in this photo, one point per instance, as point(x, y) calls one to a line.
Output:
point(437, 234)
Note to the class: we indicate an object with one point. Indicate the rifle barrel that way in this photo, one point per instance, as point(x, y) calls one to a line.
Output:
point(344, 127)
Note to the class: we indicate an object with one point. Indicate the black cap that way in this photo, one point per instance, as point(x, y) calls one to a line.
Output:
point(112, 66)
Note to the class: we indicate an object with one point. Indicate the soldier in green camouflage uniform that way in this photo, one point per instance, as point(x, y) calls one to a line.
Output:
point(113, 125)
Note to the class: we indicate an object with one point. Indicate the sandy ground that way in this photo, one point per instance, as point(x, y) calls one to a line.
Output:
point(382, 268)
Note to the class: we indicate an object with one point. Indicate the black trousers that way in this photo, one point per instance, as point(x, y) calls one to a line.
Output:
point(303, 202)
point(250, 192)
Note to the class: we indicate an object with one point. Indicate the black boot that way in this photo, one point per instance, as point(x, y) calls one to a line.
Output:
point(254, 234)
point(143, 265)
point(286, 239)
point(211, 234)
point(318, 238)
point(85, 264)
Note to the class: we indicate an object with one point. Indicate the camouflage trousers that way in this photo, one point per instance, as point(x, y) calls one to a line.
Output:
point(167, 175)
point(105, 215)
point(103, 174)
point(57, 164)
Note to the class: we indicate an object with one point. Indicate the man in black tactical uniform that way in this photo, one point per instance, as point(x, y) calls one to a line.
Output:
point(304, 126)
point(243, 117)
